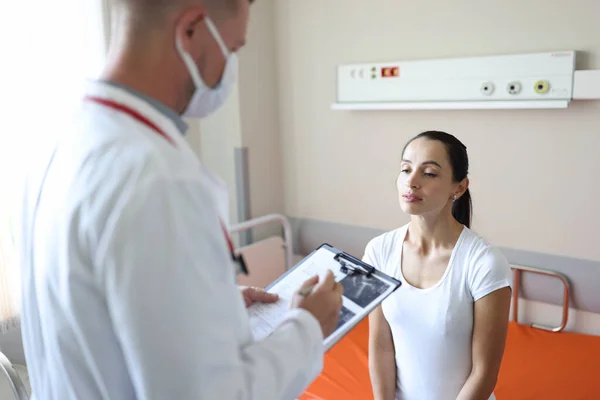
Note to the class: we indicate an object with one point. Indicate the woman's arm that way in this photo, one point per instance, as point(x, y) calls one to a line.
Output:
point(489, 336)
point(382, 361)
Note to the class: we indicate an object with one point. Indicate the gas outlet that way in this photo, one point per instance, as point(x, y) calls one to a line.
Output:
point(514, 87)
point(487, 88)
point(541, 87)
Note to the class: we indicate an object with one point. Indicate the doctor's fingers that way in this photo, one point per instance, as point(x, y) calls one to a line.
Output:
point(327, 282)
point(258, 294)
point(336, 295)
point(309, 284)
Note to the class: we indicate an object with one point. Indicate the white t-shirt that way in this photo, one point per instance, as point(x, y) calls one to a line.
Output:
point(432, 328)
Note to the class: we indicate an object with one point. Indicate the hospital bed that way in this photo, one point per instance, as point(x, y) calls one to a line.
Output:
point(540, 361)
point(269, 257)
point(546, 362)
point(11, 384)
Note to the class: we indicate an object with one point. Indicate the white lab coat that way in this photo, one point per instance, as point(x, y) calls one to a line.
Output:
point(129, 288)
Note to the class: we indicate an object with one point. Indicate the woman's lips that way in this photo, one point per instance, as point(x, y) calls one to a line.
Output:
point(411, 198)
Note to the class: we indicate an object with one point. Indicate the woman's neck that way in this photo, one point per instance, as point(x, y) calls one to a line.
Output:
point(434, 232)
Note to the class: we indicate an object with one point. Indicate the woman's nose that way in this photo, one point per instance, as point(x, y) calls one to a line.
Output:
point(412, 182)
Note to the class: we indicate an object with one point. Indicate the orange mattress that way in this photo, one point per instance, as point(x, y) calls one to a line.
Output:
point(536, 365)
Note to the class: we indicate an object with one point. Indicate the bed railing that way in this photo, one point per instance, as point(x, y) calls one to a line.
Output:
point(287, 232)
point(517, 272)
point(15, 382)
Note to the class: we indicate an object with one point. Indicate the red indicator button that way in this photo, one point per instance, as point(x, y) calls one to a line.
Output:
point(390, 72)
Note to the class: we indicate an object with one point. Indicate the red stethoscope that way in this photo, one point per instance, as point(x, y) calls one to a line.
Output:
point(237, 258)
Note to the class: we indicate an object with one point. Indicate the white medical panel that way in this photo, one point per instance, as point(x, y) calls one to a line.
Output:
point(586, 85)
point(521, 77)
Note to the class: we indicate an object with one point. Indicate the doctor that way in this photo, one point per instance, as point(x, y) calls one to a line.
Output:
point(129, 281)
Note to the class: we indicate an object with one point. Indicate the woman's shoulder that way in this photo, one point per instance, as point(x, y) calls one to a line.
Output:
point(388, 238)
point(486, 266)
point(477, 246)
point(382, 246)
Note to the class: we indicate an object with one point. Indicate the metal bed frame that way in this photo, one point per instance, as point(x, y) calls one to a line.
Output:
point(15, 382)
point(287, 232)
point(518, 270)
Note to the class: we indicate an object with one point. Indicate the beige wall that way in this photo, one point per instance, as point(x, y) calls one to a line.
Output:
point(534, 174)
point(220, 135)
point(259, 110)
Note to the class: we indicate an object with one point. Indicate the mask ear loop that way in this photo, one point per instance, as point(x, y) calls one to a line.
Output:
point(215, 33)
point(231, 61)
point(189, 63)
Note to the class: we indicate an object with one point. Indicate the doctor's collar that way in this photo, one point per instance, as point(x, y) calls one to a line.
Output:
point(181, 125)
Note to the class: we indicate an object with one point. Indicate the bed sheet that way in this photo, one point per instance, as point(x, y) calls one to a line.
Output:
point(537, 365)
point(345, 374)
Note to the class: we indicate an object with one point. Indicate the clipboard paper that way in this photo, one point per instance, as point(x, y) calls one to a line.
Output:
point(364, 289)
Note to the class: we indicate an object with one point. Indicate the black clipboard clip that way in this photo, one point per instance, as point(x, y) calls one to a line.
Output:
point(350, 269)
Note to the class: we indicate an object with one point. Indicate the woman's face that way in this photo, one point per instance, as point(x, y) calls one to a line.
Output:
point(425, 184)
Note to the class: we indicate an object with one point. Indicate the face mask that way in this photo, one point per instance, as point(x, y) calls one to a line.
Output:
point(207, 100)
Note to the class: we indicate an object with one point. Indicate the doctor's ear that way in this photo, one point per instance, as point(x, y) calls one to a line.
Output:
point(190, 21)
point(194, 24)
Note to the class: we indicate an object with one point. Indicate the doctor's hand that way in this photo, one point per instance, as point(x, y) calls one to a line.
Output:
point(257, 295)
point(323, 299)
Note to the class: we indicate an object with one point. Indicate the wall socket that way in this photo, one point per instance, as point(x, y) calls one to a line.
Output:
point(541, 87)
point(513, 87)
point(487, 88)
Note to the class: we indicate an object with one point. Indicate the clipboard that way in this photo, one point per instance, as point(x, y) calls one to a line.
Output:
point(365, 287)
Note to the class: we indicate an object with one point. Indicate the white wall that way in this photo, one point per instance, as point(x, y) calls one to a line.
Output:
point(259, 109)
point(219, 136)
point(533, 173)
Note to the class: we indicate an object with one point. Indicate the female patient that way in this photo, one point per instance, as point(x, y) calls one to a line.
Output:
point(441, 335)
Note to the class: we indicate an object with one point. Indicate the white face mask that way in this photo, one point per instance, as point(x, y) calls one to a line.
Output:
point(207, 100)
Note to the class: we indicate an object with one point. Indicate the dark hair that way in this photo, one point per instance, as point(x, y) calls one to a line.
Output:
point(462, 209)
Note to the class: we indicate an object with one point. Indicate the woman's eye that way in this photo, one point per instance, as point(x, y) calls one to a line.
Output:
point(431, 175)
point(404, 171)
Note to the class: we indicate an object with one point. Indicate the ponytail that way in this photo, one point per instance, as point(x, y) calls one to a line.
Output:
point(462, 209)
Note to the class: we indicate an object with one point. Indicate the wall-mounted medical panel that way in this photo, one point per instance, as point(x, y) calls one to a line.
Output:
point(519, 78)
point(586, 85)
